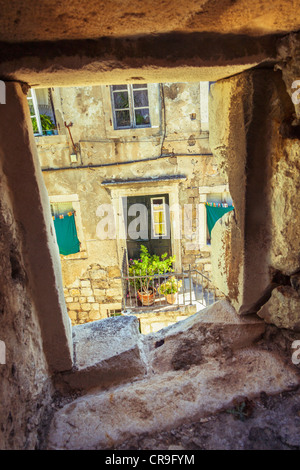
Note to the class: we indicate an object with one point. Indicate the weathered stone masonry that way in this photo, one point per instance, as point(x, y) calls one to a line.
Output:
point(96, 293)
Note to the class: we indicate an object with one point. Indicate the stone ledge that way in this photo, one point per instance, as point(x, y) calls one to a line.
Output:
point(212, 332)
point(104, 420)
point(106, 352)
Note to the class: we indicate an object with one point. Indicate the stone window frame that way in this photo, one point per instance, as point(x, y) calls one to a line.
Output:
point(74, 199)
point(131, 106)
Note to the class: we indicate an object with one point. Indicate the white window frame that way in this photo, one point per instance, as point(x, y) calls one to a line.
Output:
point(36, 114)
point(131, 108)
point(153, 223)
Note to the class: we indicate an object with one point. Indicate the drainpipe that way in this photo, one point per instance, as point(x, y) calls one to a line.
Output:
point(75, 153)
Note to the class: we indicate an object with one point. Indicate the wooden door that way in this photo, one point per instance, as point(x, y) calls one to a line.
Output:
point(149, 226)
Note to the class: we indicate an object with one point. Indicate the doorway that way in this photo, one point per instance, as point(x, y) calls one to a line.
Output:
point(147, 220)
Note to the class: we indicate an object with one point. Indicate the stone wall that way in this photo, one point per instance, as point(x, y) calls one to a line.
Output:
point(94, 294)
point(25, 386)
point(257, 146)
point(154, 321)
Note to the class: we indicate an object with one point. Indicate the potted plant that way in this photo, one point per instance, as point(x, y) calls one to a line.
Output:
point(169, 289)
point(47, 124)
point(144, 270)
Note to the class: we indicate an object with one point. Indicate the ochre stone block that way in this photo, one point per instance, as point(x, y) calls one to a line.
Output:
point(86, 307)
point(74, 306)
point(74, 292)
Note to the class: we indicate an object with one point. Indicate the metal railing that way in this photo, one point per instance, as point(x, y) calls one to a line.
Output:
point(193, 288)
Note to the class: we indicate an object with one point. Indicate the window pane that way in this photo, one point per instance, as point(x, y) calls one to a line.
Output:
point(144, 85)
point(158, 217)
point(119, 87)
point(121, 100)
point(122, 118)
point(142, 117)
point(159, 229)
point(140, 98)
point(157, 201)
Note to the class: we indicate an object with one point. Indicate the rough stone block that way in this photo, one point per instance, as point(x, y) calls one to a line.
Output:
point(207, 333)
point(162, 402)
point(69, 299)
point(91, 299)
point(94, 315)
point(74, 306)
point(115, 283)
point(83, 316)
point(107, 352)
point(100, 292)
point(113, 292)
point(74, 292)
point(85, 283)
point(283, 308)
point(86, 307)
point(99, 284)
point(86, 291)
point(113, 271)
point(72, 314)
point(99, 274)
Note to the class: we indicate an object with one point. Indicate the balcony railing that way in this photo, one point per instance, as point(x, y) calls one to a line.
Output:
point(193, 288)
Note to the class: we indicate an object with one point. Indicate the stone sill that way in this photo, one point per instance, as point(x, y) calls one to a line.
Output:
point(50, 139)
point(205, 248)
point(80, 255)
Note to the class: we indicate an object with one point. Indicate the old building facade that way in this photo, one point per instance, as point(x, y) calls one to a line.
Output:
point(128, 144)
point(153, 392)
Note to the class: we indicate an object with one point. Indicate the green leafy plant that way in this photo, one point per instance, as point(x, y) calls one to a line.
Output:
point(149, 265)
point(46, 122)
point(170, 286)
point(34, 125)
point(242, 410)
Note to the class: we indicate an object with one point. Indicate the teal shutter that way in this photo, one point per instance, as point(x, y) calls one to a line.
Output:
point(214, 214)
point(66, 235)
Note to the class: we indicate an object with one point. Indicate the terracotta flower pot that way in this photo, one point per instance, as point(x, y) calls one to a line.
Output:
point(171, 298)
point(147, 299)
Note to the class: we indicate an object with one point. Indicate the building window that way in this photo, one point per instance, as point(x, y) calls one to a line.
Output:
point(41, 111)
point(158, 212)
point(130, 105)
point(34, 113)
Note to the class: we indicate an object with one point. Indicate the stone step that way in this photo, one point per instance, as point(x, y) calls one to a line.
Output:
point(212, 332)
point(106, 352)
point(112, 351)
point(163, 401)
